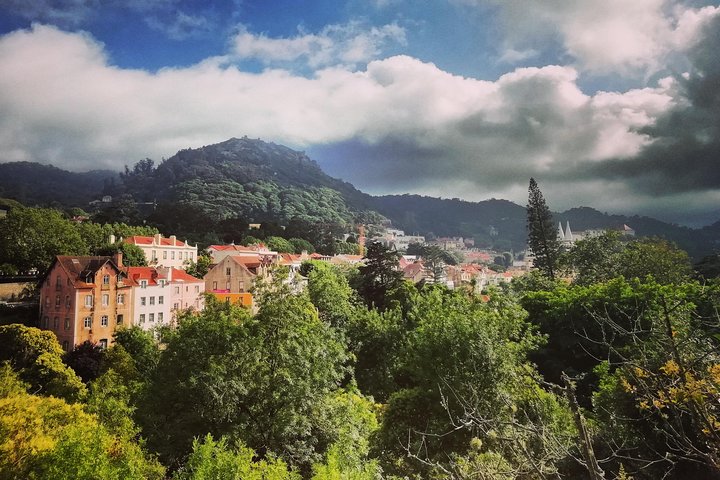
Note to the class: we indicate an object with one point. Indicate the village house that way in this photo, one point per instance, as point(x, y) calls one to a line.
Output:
point(164, 252)
point(232, 278)
point(85, 298)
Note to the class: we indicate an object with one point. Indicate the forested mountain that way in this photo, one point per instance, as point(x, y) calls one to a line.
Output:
point(35, 184)
point(249, 180)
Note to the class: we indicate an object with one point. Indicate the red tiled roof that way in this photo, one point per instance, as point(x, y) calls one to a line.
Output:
point(149, 274)
point(140, 240)
point(234, 248)
point(79, 268)
point(180, 275)
point(245, 261)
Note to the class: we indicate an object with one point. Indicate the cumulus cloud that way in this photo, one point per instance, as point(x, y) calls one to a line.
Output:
point(399, 124)
point(347, 44)
point(608, 36)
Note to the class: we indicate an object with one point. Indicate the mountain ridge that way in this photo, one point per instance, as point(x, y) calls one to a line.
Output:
point(264, 181)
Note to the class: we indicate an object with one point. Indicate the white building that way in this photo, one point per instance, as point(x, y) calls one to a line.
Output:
point(151, 297)
point(164, 252)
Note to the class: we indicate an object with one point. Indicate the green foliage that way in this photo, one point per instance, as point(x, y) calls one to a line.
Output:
point(37, 357)
point(542, 234)
point(48, 438)
point(330, 292)
point(279, 244)
point(379, 277)
point(43, 234)
point(217, 460)
point(301, 245)
point(85, 360)
point(466, 374)
point(595, 259)
point(258, 379)
point(201, 268)
point(141, 346)
point(655, 257)
point(377, 340)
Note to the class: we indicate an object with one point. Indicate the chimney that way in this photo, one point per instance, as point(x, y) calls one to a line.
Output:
point(158, 237)
point(172, 240)
point(111, 239)
point(117, 258)
point(169, 274)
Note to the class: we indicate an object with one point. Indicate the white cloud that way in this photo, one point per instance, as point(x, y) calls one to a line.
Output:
point(604, 36)
point(63, 103)
point(347, 44)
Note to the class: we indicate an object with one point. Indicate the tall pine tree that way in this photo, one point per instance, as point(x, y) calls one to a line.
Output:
point(542, 236)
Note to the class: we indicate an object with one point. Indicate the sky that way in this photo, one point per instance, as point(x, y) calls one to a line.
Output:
point(611, 104)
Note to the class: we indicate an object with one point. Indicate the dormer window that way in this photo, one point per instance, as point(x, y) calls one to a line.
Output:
point(143, 283)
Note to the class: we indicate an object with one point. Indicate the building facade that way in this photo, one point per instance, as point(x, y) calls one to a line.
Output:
point(165, 252)
point(85, 298)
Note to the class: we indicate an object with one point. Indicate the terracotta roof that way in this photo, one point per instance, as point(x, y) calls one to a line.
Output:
point(149, 274)
point(180, 275)
point(245, 261)
point(140, 240)
point(79, 268)
point(234, 248)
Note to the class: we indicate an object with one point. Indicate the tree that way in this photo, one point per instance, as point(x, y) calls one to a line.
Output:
point(85, 360)
point(37, 357)
point(379, 276)
point(542, 235)
point(201, 268)
point(211, 460)
point(49, 438)
point(30, 238)
point(302, 245)
point(465, 375)
point(279, 244)
point(259, 379)
point(141, 346)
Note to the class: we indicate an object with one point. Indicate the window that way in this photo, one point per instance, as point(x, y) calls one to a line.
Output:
point(214, 285)
point(104, 321)
point(197, 288)
point(67, 301)
point(191, 255)
point(227, 271)
point(186, 255)
point(152, 300)
point(121, 299)
point(45, 322)
point(66, 346)
point(154, 255)
point(56, 323)
point(227, 285)
point(142, 318)
point(58, 282)
point(160, 317)
point(106, 279)
point(176, 306)
point(67, 324)
point(103, 343)
point(143, 283)
point(152, 318)
point(88, 322)
point(161, 300)
point(142, 300)
point(88, 300)
point(105, 300)
point(119, 319)
point(177, 290)
point(165, 255)
point(57, 301)
point(47, 302)
point(172, 255)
